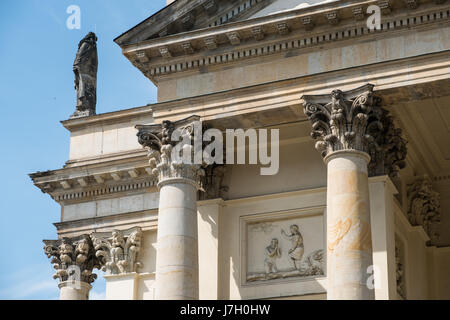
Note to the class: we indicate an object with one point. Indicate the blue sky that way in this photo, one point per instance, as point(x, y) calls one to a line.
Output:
point(36, 80)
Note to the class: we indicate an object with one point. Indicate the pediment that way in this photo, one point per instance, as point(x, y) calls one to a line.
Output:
point(188, 15)
point(279, 6)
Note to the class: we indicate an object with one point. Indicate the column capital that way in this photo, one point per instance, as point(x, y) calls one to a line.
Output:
point(172, 150)
point(73, 258)
point(342, 120)
point(424, 207)
point(118, 250)
point(355, 120)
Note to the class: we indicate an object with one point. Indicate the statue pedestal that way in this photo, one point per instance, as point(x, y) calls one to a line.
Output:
point(82, 114)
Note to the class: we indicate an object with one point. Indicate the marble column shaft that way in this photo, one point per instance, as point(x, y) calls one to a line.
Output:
point(177, 248)
point(347, 126)
point(349, 245)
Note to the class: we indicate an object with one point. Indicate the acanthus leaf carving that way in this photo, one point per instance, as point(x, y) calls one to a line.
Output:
point(164, 161)
point(118, 250)
point(390, 153)
point(424, 207)
point(344, 120)
point(73, 258)
point(355, 120)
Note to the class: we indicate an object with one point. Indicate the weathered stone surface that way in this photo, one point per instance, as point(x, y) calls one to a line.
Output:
point(179, 180)
point(388, 154)
point(355, 120)
point(157, 139)
point(424, 207)
point(118, 250)
point(344, 120)
point(85, 70)
point(73, 258)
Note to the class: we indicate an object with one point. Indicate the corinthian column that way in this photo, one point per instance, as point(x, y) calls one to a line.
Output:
point(178, 181)
point(345, 124)
point(74, 259)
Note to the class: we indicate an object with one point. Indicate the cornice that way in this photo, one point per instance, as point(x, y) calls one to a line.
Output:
point(107, 118)
point(184, 15)
point(73, 184)
point(147, 220)
point(290, 30)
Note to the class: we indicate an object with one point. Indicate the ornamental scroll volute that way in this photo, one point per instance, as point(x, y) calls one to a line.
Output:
point(73, 258)
point(344, 120)
point(355, 120)
point(171, 148)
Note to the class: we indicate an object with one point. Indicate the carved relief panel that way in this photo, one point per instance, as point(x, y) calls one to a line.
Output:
point(284, 246)
point(400, 274)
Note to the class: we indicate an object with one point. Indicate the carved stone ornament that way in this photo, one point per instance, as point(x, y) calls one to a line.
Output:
point(354, 120)
point(388, 154)
point(424, 207)
point(311, 265)
point(343, 120)
point(118, 250)
point(301, 266)
point(164, 162)
point(399, 273)
point(211, 7)
point(73, 258)
point(212, 182)
point(85, 69)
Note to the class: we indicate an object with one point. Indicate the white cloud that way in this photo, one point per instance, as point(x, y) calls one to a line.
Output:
point(30, 282)
point(35, 282)
point(30, 286)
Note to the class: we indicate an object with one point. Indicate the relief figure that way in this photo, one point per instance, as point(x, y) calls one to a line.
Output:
point(272, 253)
point(296, 251)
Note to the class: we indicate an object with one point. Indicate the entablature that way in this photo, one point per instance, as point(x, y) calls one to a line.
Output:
point(270, 104)
point(286, 31)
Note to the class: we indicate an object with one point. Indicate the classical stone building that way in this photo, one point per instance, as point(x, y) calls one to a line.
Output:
point(360, 205)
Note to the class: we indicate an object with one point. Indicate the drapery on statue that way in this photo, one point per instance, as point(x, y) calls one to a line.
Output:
point(85, 69)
